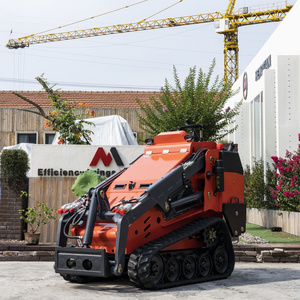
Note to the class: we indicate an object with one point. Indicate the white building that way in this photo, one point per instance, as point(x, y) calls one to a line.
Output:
point(269, 120)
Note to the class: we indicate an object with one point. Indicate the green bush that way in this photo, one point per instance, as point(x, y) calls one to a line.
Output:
point(287, 190)
point(14, 165)
point(199, 98)
point(257, 192)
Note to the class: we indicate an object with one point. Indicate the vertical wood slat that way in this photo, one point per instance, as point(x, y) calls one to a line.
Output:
point(53, 191)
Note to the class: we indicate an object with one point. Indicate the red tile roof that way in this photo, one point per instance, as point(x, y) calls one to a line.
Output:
point(107, 99)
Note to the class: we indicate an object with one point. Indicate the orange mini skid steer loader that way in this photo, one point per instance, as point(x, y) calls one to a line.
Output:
point(165, 220)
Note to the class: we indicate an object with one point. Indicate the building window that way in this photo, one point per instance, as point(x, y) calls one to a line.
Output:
point(27, 138)
point(49, 137)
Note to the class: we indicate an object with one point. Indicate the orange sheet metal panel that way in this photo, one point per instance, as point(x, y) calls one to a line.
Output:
point(234, 188)
point(156, 162)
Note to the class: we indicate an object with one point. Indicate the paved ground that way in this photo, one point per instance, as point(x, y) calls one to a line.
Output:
point(37, 280)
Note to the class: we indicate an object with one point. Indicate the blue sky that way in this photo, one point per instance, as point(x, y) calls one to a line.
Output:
point(128, 61)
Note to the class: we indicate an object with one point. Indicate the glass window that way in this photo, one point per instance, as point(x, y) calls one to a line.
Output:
point(49, 137)
point(26, 138)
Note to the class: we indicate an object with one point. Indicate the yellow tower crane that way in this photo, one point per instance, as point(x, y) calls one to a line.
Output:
point(226, 23)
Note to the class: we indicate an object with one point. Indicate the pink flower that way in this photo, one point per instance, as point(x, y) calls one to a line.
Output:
point(289, 194)
point(276, 204)
point(288, 154)
point(276, 175)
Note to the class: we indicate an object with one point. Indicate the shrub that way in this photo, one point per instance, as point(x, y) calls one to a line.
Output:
point(14, 165)
point(287, 190)
point(257, 192)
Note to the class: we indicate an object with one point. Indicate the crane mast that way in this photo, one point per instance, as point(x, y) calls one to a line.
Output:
point(226, 23)
point(229, 28)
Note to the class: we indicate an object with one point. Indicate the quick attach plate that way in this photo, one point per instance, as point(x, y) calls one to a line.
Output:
point(82, 261)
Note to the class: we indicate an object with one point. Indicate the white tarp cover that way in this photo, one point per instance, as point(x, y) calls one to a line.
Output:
point(23, 146)
point(109, 130)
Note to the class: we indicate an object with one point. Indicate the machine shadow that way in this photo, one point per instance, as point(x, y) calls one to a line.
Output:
point(240, 277)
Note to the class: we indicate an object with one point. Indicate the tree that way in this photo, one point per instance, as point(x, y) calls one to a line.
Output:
point(197, 100)
point(63, 117)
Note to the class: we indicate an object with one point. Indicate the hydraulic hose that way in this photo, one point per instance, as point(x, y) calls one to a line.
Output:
point(198, 153)
point(74, 219)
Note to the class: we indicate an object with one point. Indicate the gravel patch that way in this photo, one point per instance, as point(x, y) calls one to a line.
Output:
point(247, 238)
point(9, 241)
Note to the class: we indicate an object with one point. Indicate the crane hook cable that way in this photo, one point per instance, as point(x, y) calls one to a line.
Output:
point(159, 11)
point(106, 13)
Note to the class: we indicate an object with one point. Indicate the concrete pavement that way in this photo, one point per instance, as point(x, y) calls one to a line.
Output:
point(37, 280)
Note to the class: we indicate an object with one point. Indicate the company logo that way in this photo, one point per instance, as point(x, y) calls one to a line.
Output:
point(245, 86)
point(99, 155)
point(265, 65)
point(106, 158)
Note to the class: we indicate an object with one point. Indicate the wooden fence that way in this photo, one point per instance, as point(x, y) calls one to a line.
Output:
point(289, 221)
point(53, 191)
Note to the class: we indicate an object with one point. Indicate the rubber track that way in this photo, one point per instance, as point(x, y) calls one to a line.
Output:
point(139, 261)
